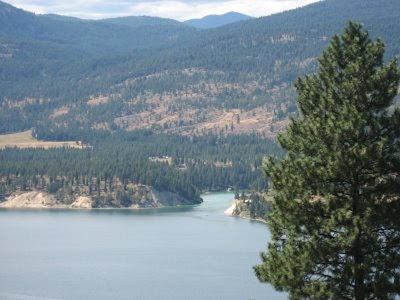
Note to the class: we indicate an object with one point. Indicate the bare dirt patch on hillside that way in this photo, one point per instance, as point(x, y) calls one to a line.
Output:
point(94, 101)
point(59, 112)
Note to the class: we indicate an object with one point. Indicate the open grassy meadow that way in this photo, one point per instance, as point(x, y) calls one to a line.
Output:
point(26, 140)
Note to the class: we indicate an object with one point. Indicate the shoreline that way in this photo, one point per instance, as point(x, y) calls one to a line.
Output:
point(98, 208)
point(233, 211)
point(41, 200)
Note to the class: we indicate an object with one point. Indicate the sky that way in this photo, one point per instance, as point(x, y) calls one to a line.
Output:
point(175, 9)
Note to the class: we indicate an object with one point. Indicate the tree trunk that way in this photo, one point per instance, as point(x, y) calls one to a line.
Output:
point(359, 274)
point(359, 286)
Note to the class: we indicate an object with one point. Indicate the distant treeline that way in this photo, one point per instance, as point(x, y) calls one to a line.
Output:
point(196, 164)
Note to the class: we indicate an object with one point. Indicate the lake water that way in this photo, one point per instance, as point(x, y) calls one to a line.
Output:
point(175, 253)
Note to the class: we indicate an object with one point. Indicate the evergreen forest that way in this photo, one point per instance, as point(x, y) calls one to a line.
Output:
point(135, 90)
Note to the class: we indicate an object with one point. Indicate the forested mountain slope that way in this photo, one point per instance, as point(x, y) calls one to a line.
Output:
point(116, 74)
point(110, 36)
point(197, 96)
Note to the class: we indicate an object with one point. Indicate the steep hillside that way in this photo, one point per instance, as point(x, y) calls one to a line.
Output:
point(213, 21)
point(229, 80)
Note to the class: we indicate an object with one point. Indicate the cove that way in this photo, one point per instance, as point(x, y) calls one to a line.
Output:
point(193, 252)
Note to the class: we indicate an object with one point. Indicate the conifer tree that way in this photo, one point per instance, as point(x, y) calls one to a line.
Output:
point(336, 219)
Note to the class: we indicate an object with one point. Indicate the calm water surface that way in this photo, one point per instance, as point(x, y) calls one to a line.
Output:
point(179, 253)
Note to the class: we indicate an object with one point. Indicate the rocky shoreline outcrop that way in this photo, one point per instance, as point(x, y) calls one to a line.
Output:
point(34, 199)
point(142, 197)
point(240, 208)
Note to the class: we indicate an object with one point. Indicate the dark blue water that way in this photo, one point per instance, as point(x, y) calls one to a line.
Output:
point(179, 253)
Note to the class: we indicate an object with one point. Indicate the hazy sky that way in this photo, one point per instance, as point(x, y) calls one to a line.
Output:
point(175, 9)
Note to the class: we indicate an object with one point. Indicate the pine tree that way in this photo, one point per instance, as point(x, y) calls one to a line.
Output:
point(335, 223)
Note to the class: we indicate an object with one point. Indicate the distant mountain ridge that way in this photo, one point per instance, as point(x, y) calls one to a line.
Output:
point(131, 73)
point(141, 21)
point(102, 37)
point(213, 21)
